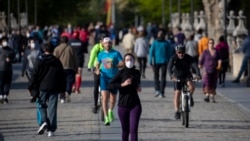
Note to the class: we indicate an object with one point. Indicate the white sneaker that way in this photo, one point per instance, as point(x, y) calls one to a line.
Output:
point(42, 128)
point(157, 93)
point(68, 99)
point(50, 133)
point(62, 101)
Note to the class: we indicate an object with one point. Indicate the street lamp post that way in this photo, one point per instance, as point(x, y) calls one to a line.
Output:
point(163, 13)
point(35, 15)
point(18, 14)
point(170, 12)
point(179, 9)
point(8, 17)
point(225, 19)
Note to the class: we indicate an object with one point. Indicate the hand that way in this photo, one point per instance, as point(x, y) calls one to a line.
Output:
point(89, 70)
point(139, 89)
point(7, 59)
point(198, 77)
point(127, 82)
point(97, 71)
point(173, 78)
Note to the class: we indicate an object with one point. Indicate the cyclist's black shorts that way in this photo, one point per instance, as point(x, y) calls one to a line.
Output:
point(179, 85)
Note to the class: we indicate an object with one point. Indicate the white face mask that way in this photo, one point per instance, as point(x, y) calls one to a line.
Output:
point(4, 44)
point(32, 45)
point(129, 64)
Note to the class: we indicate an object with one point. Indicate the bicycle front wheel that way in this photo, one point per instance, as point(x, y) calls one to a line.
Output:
point(186, 113)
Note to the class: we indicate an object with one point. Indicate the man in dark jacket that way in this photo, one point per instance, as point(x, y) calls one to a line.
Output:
point(49, 77)
point(6, 59)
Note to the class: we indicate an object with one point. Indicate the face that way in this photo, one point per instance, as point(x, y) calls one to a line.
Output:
point(129, 61)
point(210, 44)
point(129, 58)
point(180, 54)
point(107, 45)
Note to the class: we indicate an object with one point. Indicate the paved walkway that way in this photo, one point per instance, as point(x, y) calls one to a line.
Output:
point(228, 119)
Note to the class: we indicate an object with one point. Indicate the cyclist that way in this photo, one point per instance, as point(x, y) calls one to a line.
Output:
point(108, 62)
point(179, 68)
point(91, 64)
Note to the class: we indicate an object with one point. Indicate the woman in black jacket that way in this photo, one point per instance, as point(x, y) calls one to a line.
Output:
point(127, 80)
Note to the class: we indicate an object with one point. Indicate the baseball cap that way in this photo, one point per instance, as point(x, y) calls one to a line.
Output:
point(106, 39)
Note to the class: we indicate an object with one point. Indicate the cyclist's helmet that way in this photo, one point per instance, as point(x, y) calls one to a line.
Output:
point(180, 48)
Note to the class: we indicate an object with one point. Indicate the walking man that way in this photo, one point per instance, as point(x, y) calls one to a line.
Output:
point(49, 77)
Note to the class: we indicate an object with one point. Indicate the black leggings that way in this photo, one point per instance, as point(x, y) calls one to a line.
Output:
point(96, 88)
point(222, 73)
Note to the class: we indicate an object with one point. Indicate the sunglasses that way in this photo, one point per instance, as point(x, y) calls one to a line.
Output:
point(180, 52)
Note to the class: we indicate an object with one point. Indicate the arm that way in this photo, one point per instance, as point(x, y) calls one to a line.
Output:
point(151, 54)
point(115, 82)
point(170, 66)
point(24, 63)
point(93, 56)
point(202, 60)
point(121, 63)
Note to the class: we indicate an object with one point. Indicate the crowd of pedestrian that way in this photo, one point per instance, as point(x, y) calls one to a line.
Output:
point(59, 53)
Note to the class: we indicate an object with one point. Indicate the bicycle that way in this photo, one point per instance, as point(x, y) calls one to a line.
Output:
point(99, 101)
point(185, 100)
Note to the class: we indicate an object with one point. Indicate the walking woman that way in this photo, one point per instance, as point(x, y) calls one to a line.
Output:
point(141, 51)
point(223, 50)
point(127, 80)
point(211, 62)
point(6, 70)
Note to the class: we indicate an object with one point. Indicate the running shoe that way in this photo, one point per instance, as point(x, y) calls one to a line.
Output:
point(106, 121)
point(42, 128)
point(111, 115)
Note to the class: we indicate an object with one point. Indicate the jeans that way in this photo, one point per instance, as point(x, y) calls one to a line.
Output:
point(48, 111)
point(160, 85)
point(142, 61)
point(129, 118)
point(5, 82)
point(243, 67)
point(70, 78)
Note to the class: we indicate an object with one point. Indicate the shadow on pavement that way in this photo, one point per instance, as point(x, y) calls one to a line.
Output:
point(1, 137)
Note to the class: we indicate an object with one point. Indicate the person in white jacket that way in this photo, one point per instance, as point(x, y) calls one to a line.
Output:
point(141, 51)
point(129, 41)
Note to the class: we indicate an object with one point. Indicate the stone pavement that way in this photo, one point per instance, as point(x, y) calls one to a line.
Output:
point(228, 119)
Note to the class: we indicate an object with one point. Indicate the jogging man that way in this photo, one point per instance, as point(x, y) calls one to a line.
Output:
point(108, 62)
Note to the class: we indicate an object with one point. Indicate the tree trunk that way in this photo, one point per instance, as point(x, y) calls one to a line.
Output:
point(214, 11)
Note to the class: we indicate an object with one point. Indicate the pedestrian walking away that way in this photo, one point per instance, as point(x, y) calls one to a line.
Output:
point(127, 80)
point(223, 50)
point(78, 47)
point(49, 78)
point(107, 65)
point(67, 55)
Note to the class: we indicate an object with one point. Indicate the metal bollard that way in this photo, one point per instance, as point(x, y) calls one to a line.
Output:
point(248, 74)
